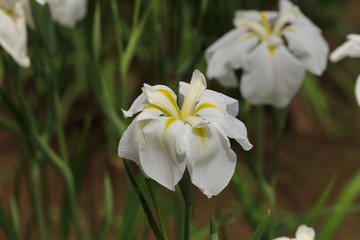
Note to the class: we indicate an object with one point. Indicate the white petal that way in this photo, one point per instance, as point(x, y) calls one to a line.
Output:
point(309, 47)
point(305, 232)
point(357, 90)
point(137, 106)
point(354, 37)
point(226, 54)
point(227, 104)
point(162, 152)
point(28, 13)
point(162, 98)
point(194, 91)
point(350, 48)
point(141, 101)
point(68, 12)
point(211, 162)
point(271, 78)
point(13, 36)
point(282, 238)
point(130, 140)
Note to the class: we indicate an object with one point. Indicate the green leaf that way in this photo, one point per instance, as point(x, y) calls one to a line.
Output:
point(109, 206)
point(6, 225)
point(261, 227)
point(96, 33)
point(15, 217)
point(130, 217)
point(315, 213)
point(346, 198)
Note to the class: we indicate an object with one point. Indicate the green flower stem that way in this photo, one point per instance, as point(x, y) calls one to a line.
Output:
point(281, 120)
point(39, 215)
point(59, 126)
point(65, 171)
point(144, 204)
point(159, 215)
point(187, 190)
point(260, 137)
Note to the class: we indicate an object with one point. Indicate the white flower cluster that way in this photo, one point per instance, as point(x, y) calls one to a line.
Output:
point(303, 232)
point(274, 49)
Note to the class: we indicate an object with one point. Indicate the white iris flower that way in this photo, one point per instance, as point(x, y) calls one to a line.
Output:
point(67, 12)
point(350, 48)
point(274, 49)
point(13, 35)
point(302, 233)
point(166, 138)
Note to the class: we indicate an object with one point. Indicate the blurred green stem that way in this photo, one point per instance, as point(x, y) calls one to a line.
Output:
point(159, 215)
point(280, 120)
point(143, 201)
point(65, 171)
point(39, 215)
point(187, 190)
point(260, 137)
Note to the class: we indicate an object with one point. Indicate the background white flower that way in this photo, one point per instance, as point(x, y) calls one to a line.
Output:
point(67, 12)
point(13, 35)
point(274, 49)
point(164, 138)
point(350, 48)
point(302, 233)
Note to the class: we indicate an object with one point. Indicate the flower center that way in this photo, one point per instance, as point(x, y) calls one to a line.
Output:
point(166, 101)
point(264, 31)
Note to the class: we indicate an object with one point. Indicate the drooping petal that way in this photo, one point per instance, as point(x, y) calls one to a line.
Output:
point(232, 127)
point(286, 5)
point(271, 76)
point(283, 238)
point(68, 12)
point(350, 48)
point(225, 55)
point(137, 106)
point(28, 13)
point(308, 46)
point(129, 143)
point(357, 90)
point(162, 153)
point(13, 36)
point(211, 162)
point(305, 232)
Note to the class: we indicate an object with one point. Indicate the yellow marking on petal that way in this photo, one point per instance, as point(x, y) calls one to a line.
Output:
point(11, 13)
point(290, 29)
point(265, 21)
point(170, 97)
point(271, 51)
point(169, 121)
point(248, 36)
point(205, 105)
point(157, 108)
point(201, 132)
